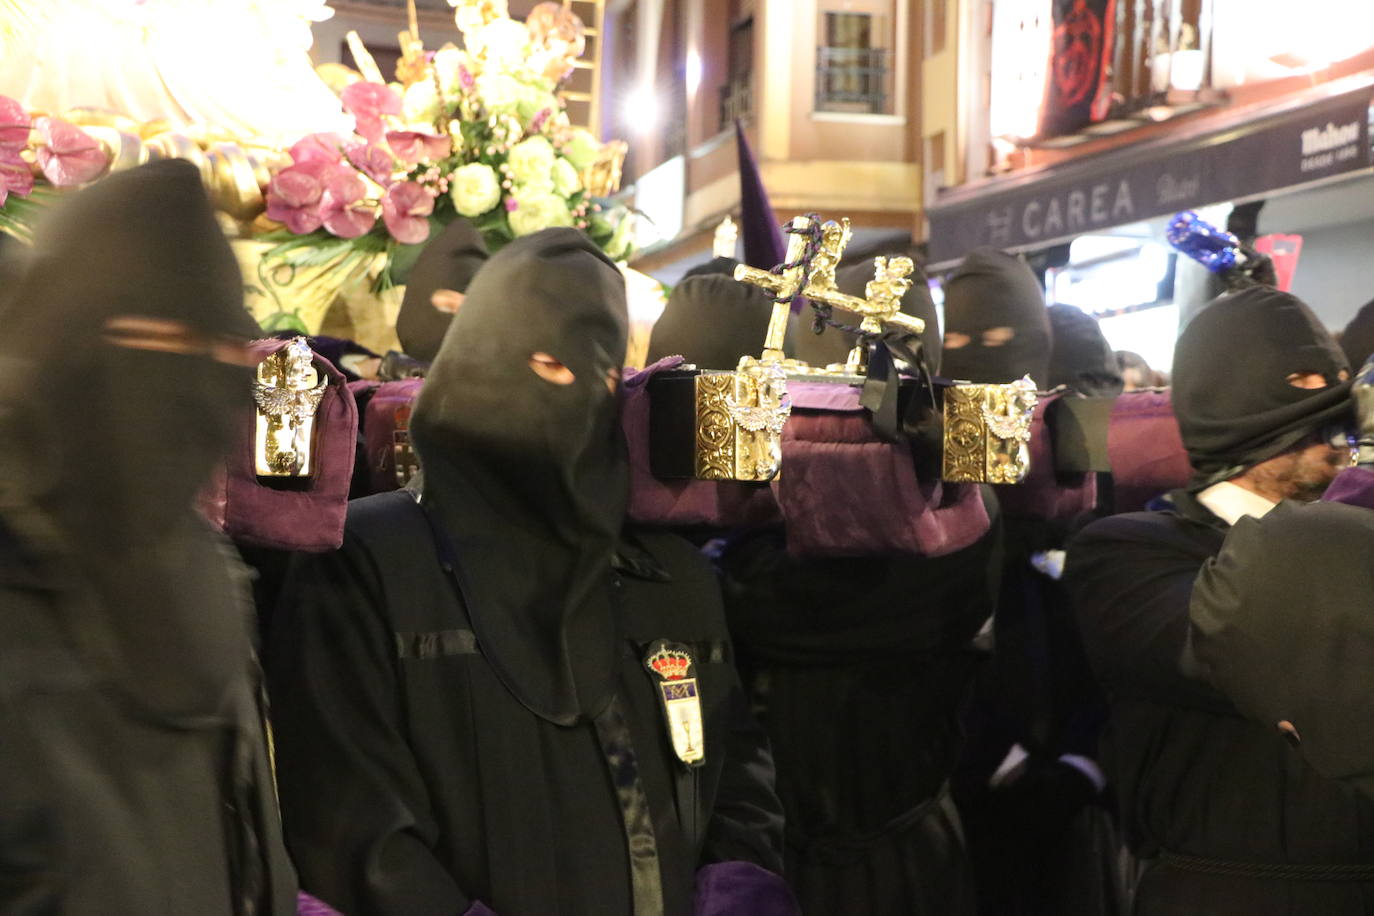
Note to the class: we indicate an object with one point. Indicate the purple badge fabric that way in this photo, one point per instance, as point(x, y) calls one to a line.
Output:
point(307, 905)
point(379, 428)
point(743, 889)
point(1044, 494)
point(309, 519)
point(1145, 449)
point(1352, 486)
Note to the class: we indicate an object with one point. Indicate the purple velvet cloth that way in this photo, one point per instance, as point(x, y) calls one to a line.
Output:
point(743, 889)
point(1352, 486)
point(308, 519)
point(1045, 494)
point(1145, 449)
point(379, 427)
point(681, 502)
point(842, 492)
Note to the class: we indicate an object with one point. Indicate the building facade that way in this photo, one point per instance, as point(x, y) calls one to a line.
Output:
point(1071, 130)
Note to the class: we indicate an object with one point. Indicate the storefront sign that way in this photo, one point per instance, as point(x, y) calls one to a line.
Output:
point(1316, 141)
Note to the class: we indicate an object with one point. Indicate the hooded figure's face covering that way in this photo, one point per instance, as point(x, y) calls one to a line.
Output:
point(121, 375)
point(1081, 357)
point(1232, 393)
point(711, 320)
point(996, 326)
point(833, 345)
point(1357, 340)
point(525, 466)
point(449, 262)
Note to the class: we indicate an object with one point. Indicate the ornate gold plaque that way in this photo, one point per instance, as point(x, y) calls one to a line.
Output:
point(987, 432)
point(287, 391)
point(739, 421)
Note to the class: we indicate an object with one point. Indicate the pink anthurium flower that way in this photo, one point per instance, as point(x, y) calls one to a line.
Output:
point(68, 155)
point(14, 124)
point(412, 146)
point(343, 207)
point(293, 198)
point(367, 102)
point(317, 148)
point(373, 161)
point(405, 210)
point(15, 177)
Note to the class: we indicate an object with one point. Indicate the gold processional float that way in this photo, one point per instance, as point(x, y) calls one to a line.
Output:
point(133, 82)
point(737, 416)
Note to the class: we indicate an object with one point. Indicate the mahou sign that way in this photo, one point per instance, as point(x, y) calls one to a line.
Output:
point(1311, 142)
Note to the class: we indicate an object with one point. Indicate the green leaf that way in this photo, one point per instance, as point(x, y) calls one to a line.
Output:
point(283, 321)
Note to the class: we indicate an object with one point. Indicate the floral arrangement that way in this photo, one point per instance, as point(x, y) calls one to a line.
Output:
point(477, 133)
point(64, 154)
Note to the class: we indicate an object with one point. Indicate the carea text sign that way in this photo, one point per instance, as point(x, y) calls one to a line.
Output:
point(1317, 141)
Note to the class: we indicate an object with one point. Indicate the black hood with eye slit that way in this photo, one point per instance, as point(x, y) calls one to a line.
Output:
point(993, 289)
point(103, 448)
point(528, 478)
point(448, 262)
point(711, 320)
point(1081, 357)
point(1234, 405)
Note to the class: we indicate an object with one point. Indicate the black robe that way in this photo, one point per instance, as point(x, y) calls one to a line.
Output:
point(107, 809)
point(413, 782)
point(1042, 843)
point(858, 667)
point(1282, 623)
point(1208, 800)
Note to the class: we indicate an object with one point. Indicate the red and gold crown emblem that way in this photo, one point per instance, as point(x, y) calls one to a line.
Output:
point(670, 664)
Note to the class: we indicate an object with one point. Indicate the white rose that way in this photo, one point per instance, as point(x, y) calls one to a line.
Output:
point(531, 162)
point(537, 210)
point(474, 188)
point(501, 43)
point(582, 149)
point(420, 104)
point(566, 181)
point(622, 240)
point(534, 99)
point(500, 93)
point(447, 63)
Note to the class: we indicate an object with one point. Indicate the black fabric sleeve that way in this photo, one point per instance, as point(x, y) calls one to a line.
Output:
point(1283, 623)
point(746, 823)
point(355, 810)
point(1130, 582)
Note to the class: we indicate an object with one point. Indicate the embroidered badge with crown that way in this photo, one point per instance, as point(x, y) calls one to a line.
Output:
point(674, 668)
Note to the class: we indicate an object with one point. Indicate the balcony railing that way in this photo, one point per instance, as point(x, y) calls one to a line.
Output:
point(851, 79)
point(736, 100)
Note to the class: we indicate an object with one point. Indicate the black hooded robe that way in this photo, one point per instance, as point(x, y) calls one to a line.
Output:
point(1282, 625)
point(413, 782)
point(465, 715)
point(134, 767)
point(1210, 802)
point(858, 668)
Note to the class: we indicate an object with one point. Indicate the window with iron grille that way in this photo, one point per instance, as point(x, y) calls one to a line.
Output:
point(853, 68)
point(737, 95)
